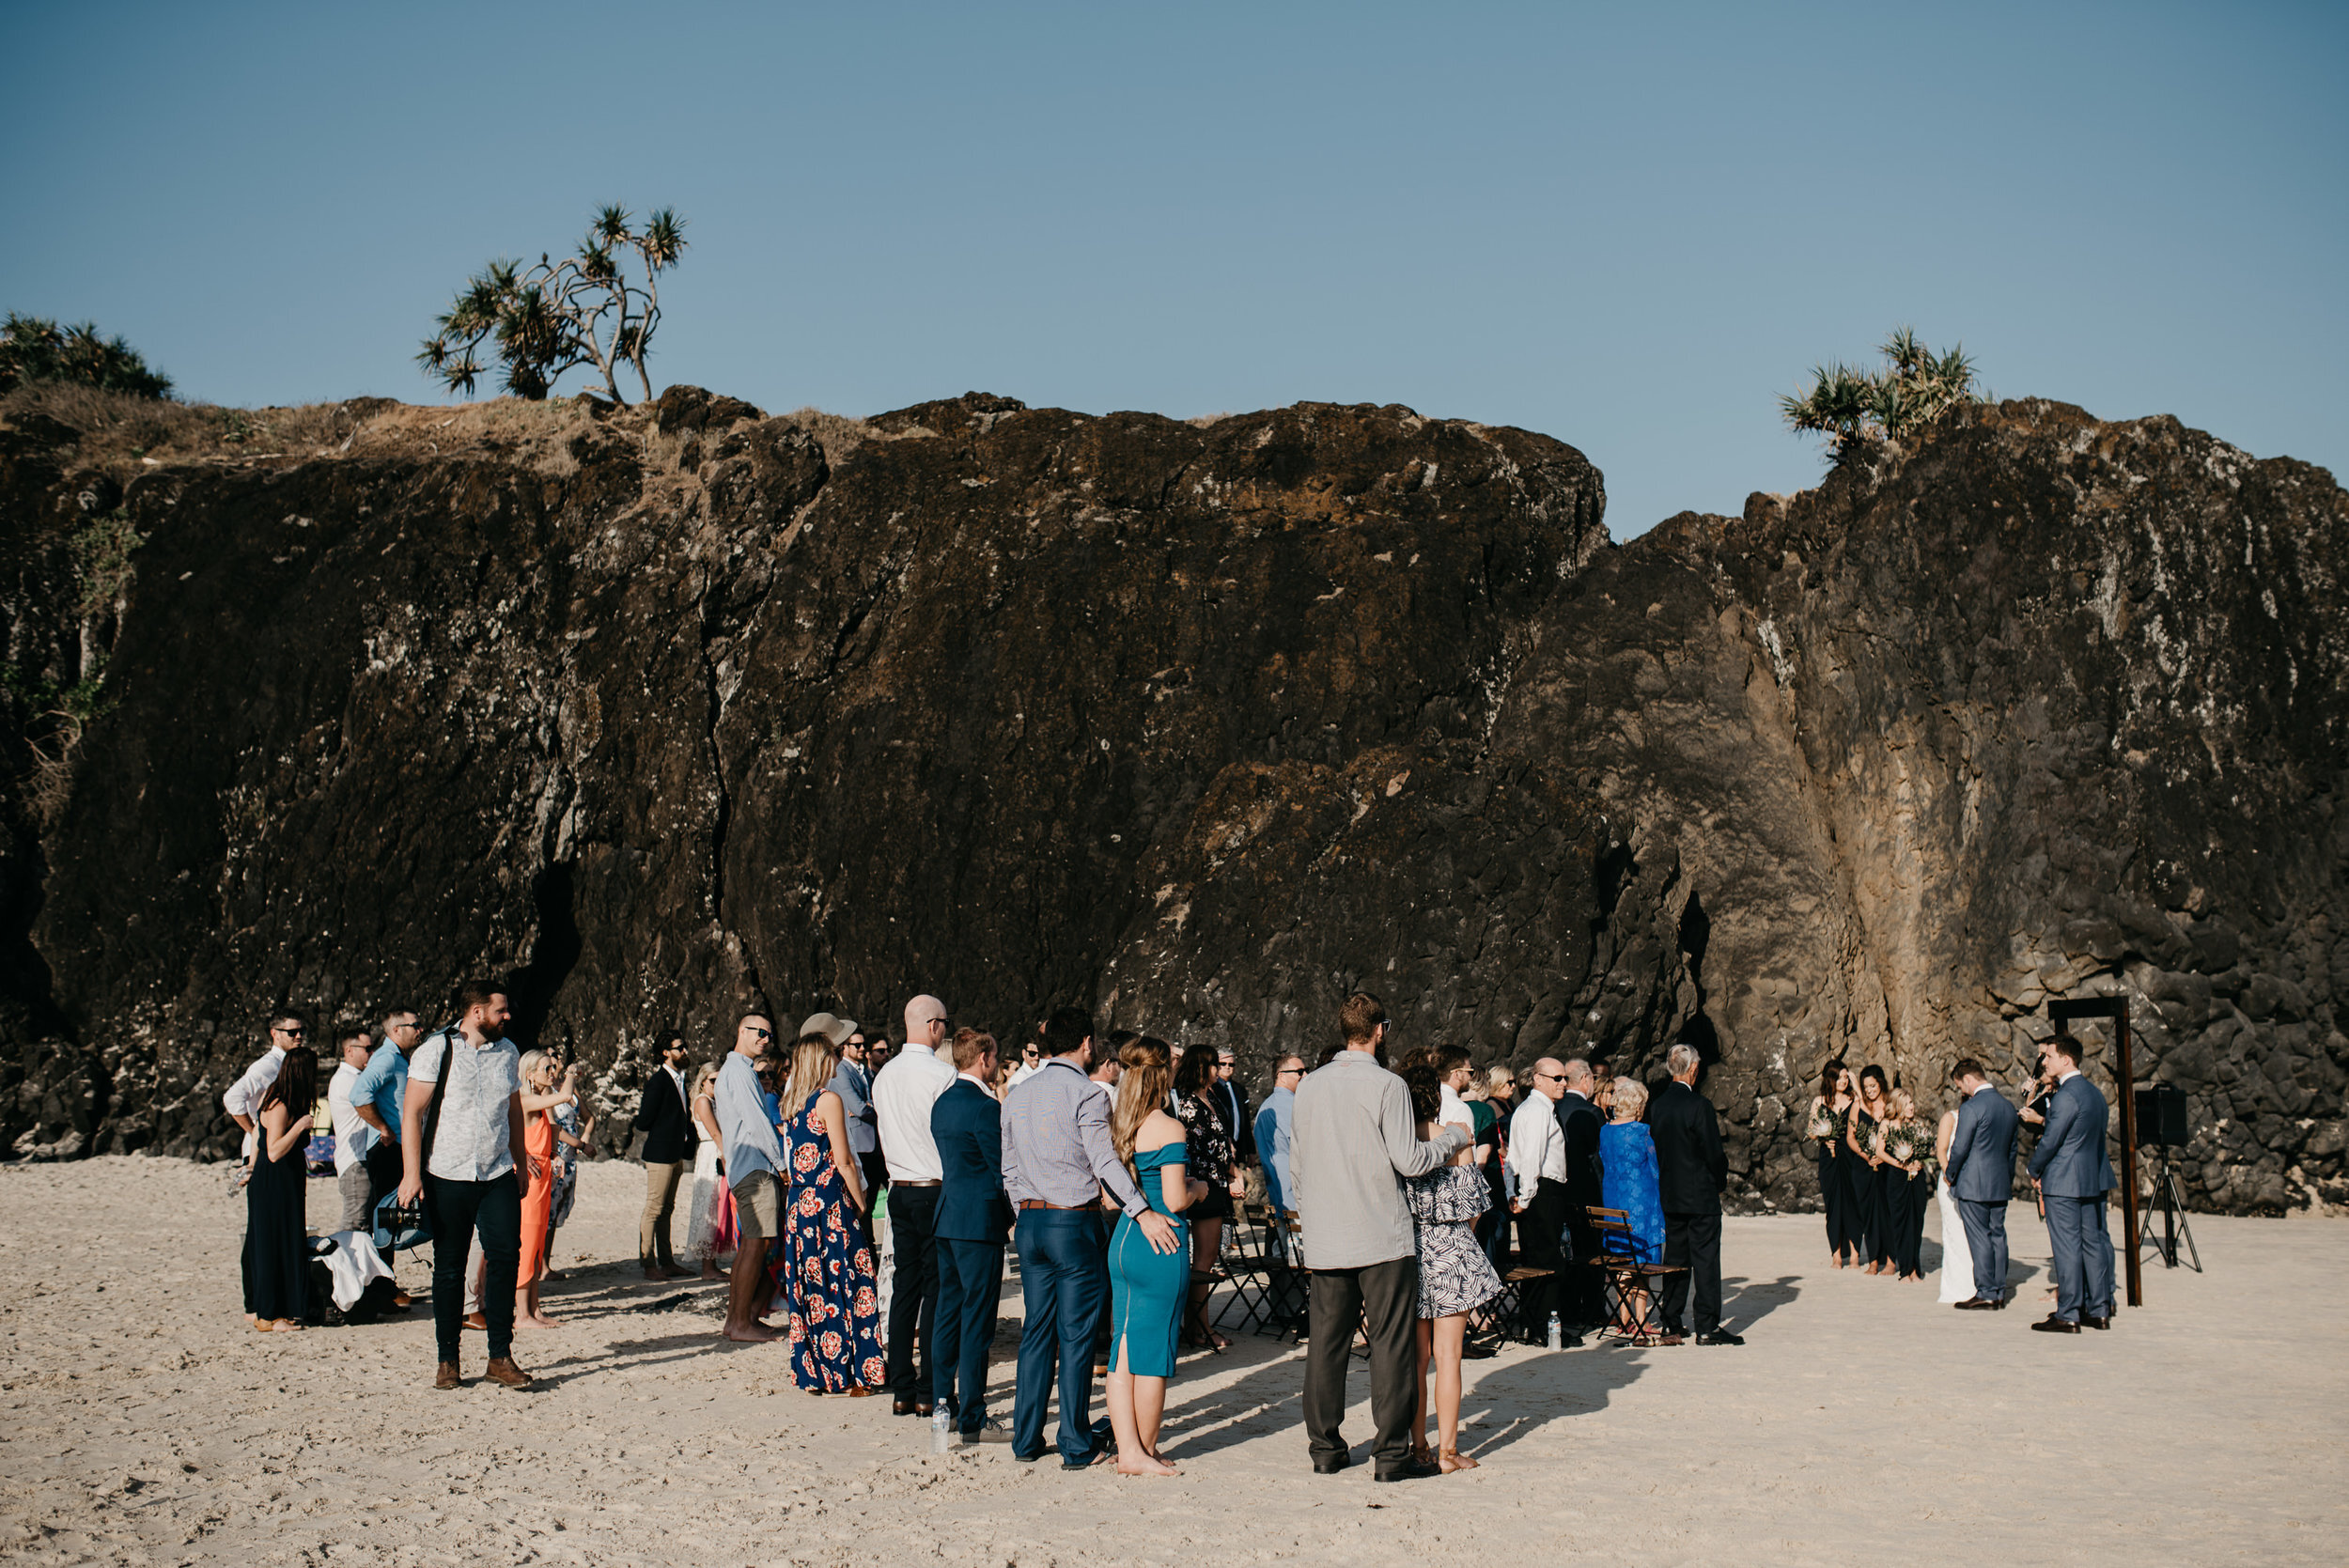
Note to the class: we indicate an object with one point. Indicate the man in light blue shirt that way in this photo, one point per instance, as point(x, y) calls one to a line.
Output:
point(377, 1096)
point(754, 1165)
point(1275, 1127)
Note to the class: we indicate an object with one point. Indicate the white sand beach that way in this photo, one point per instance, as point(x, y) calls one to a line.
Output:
point(141, 1422)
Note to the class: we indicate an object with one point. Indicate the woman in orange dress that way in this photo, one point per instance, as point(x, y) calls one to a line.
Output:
point(540, 1096)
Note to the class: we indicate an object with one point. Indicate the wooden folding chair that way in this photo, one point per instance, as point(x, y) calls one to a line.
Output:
point(1632, 1289)
point(1247, 1261)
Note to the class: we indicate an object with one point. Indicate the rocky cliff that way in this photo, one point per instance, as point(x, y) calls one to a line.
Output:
point(668, 711)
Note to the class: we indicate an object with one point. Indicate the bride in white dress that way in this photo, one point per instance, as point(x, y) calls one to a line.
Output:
point(1957, 1258)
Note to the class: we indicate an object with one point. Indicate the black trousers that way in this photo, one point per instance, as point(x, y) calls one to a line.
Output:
point(1908, 1252)
point(1835, 1194)
point(1384, 1299)
point(1102, 1335)
point(459, 1211)
point(1693, 1242)
point(1541, 1244)
point(1582, 1294)
point(912, 1291)
point(876, 1173)
point(1890, 1185)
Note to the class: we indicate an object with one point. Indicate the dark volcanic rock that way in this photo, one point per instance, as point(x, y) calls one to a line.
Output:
point(672, 710)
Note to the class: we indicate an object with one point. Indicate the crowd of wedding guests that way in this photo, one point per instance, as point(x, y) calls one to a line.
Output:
point(1110, 1166)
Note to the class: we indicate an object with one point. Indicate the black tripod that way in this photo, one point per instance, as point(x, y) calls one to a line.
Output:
point(2170, 1205)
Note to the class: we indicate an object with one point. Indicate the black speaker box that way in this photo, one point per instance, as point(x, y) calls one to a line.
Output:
point(2161, 1116)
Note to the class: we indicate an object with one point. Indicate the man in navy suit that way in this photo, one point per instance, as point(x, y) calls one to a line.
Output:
point(1982, 1179)
point(2074, 1175)
point(973, 1221)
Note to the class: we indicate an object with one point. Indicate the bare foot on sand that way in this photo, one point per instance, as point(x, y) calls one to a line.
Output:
point(753, 1333)
point(1149, 1464)
point(535, 1320)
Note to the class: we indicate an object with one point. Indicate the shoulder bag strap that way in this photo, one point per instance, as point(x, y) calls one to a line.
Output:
point(440, 1092)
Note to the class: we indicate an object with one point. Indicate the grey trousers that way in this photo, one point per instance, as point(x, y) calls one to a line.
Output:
point(1383, 1299)
point(358, 1190)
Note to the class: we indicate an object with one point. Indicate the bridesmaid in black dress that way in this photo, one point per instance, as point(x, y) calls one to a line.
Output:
point(1863, 1142)
point(1830, 1115)
point(276, 1241)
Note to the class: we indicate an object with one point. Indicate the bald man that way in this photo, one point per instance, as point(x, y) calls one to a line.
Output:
point(1537, 1159)
point(903, 1093)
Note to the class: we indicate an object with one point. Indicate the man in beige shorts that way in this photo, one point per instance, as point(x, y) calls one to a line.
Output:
point(754, 1171)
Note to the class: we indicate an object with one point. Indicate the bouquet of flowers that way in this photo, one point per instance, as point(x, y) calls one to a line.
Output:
point(1901, 1140)
point(1822, 1124)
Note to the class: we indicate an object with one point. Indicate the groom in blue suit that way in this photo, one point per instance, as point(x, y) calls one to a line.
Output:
point(1982, 1179)
point(2074, 1175)
point(973, 1222)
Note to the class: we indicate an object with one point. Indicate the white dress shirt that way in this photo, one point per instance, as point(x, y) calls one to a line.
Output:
point(243, 1097)
point(352, 1137)
point(1537, 1144)
point(903, 1093)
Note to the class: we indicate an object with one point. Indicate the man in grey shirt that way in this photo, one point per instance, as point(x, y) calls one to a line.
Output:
point(1355, 1143)
point(1057, 1157)
point(755, 1167)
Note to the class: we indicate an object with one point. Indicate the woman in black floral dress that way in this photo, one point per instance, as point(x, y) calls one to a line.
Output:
point(1209, 1143)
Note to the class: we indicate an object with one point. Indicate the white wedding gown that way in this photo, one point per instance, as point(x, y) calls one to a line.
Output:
point(1957, 1258)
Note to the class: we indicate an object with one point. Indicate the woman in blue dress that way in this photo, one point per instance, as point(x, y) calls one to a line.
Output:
point(1148, 1288)
point(1627, 1153)
point(828, 1265)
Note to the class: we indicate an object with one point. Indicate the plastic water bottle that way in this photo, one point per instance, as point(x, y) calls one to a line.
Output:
point(941, 1430)
point(1557, 1340)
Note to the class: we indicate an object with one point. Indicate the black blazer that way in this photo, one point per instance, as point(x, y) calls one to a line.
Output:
point(967, 1125)
point(1580, 1120)
point(1690, 1165)
point(1234, 1106)
point(667, 1127)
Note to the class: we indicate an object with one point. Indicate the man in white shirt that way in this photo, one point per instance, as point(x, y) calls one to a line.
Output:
point(1537, 1160)
point(353, 1138)
point(466, 1160)
point(242, 1100)
point(1031, 1063)
point(903, 1093)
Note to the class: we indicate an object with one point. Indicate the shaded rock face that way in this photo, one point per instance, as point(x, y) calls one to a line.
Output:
point(676, 711)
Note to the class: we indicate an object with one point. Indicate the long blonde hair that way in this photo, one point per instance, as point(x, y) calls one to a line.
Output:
point(813, 1062)
point(1149, 1073)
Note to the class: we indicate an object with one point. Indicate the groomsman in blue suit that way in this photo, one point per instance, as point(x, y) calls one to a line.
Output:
point(2074, 1175)
point(1982, 1179)
point(974, 1223)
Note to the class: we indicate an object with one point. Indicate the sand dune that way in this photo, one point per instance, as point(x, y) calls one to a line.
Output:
point(142, 1422)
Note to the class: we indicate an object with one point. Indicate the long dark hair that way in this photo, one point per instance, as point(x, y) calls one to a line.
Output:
point(1827, 1074)
point(1195, 1071)
point(1884, 1089)
point(297, 1085)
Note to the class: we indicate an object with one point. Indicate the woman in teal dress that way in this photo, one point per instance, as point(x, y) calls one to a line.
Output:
point(1147, 1287)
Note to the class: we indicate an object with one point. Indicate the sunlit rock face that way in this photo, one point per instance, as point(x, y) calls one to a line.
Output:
point(672, 711)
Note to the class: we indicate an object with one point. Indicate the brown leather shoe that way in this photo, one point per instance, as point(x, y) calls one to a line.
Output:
point(504, 1370)
point(447, 1377)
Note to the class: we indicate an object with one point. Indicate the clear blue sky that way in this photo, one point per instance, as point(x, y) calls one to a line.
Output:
point(1629, 226)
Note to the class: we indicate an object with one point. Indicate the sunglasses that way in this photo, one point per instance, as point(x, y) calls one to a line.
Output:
point(288, 1033)
point(762, 1034)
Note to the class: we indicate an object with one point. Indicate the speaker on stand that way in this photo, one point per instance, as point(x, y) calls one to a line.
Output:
point(2161, 1128)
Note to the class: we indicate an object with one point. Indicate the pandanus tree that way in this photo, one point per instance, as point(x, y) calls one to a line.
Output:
point(598, 308)
point(35, 349)
point(1854, 408)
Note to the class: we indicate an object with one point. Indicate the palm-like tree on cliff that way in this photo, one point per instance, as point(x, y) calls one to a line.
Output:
point(584, 309)
point(1856, 408)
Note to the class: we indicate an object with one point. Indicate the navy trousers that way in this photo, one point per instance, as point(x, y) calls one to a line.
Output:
point(1065, 1284)
point(969, 1287)
point(1985, 1243)
point(2083, 1256)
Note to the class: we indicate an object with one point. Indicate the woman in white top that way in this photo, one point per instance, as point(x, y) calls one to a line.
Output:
point(710, 1215)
